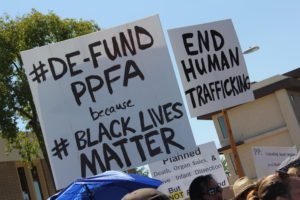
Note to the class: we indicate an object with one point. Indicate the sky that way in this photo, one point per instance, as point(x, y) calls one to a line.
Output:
point(274, 26)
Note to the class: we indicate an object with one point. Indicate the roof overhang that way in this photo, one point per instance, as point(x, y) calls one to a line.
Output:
point(227, 147)
point(287, 81)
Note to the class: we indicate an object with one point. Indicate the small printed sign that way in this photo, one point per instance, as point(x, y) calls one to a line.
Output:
point(267, 159)
point(177, 172)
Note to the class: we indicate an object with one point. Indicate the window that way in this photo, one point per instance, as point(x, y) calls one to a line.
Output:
point(24, 185)
point(36, 183)
point(233, 162)
point(222, 125)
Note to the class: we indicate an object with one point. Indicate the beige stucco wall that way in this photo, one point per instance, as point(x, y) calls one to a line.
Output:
point(252, 119)
point(280, 139)
point(272, 120)
point(295, 101)
point(288, 113)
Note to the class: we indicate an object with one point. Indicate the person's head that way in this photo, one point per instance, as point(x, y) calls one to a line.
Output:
point(145, 194)
point(294, 171)
point(205, 188)
point(242, 187)
point(251, 194)
point(279, 186)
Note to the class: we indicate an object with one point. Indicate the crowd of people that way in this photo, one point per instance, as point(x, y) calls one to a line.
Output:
point(284, 184)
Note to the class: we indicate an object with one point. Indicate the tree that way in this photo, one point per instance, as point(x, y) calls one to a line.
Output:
point(16, 103)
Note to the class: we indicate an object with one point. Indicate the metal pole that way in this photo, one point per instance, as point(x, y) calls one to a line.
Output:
point(233, 146)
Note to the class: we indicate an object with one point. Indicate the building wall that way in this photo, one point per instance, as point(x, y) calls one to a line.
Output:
point(295, 101)
point(10, 185)
point(289, 115)
point(272, 120)
point(279, 138)
point(258, 117)
point(10, 188)
point(47, 176)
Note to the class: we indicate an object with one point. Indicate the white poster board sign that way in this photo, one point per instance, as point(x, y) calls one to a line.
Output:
point(211, 66)
point(267, 159)
point(108, 100)
point(177, 172)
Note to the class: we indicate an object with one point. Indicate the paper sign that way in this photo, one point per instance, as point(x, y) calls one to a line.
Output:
point(108, 100)
point(268, 159)
point(211, 66)
point(178, 172)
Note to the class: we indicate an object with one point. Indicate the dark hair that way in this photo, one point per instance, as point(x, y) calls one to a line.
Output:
point(199, 186)
point(273, 186)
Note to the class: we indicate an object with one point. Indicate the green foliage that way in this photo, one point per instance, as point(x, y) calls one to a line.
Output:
point(17, 34)
point(27, 144)
point(225, 166)
point(140, 171)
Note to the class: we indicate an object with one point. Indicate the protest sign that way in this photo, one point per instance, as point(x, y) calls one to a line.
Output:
point(267, 159)
point(211, 66)
point(108, 100)
point(177, 172)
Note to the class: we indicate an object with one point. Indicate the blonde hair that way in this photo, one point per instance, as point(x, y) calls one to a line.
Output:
point(294, 171)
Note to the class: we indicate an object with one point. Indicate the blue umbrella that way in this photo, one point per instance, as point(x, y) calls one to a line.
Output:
point(110, 185)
